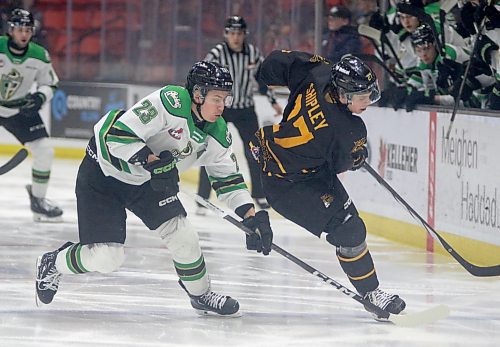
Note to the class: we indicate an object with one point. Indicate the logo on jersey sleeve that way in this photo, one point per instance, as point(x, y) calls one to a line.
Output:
point(176, 133)
point(173, 98)
point(10, 83)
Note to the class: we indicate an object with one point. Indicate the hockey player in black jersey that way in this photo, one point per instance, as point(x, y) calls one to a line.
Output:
point(318, 138)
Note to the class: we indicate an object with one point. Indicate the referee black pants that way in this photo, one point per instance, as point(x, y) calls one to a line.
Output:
point(245, 121)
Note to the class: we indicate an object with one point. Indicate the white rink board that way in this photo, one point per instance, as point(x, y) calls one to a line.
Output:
point(398, 150)
point(467, 177)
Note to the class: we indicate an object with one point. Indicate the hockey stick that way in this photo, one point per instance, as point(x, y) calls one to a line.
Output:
point(378, 36)
point(14, 161)
point(475, 270)
point(466, 73)
point(408, 320)
point(375, 59)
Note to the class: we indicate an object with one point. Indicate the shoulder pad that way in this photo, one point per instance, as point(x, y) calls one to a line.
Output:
point(3, 44)
point(219, 131)
point(38, 52)
point(176, 101)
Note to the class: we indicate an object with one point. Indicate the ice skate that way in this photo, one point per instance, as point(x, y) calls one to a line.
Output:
point(388, 302)
point(43, 210)
point(47, 276)
point(214, 304)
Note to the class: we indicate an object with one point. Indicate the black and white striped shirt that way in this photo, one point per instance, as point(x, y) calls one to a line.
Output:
point(243, 66)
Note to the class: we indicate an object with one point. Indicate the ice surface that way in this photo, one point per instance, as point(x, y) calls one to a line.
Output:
point(282, 305)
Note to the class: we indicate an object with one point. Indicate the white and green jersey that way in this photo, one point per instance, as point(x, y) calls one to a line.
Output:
point(429, 72)
point(19, 73)
point(162, 121)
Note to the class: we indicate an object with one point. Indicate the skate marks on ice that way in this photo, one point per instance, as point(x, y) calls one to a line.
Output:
point(142, 304)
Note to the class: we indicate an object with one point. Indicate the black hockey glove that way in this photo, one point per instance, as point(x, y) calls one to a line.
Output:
point(33, 103)
point(448, 71)
point(471, 84)
point(262, 238)
point(419, 97)
point(494, 97)
point(379, 22)
point(485, 46)
point(358, 158)
point(398, 98)
point(164, 174)
point(467, 17)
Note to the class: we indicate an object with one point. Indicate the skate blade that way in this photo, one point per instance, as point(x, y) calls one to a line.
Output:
point(213, 314)
point(428, 316)
point(37, 300)
point(40, 218)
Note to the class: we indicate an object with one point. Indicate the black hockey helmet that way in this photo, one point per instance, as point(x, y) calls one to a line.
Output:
point(410, 7)
point(235, 23)
point(205, 76)
point(422, 36)
point(21, 17)
point(351, 76)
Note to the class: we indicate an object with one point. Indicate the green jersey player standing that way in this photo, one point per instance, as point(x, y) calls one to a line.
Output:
point(28, 81)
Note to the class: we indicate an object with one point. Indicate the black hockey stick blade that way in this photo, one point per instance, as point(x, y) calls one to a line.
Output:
point(406, 320)
point(475, 270)
point(14, 161)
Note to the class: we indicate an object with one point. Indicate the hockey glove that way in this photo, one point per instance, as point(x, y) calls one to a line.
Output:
point(358, 158)
point(485, 46)
point(164, 174)
point(448, 71)
point(33, 103)
point(494, 97)
point(471, 84)
point(398, 98)
point(262, 238)
point(419, 97)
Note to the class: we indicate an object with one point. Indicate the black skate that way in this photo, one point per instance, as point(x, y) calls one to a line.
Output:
point(387, 302)
point(43, 210)
point(215, 304)
point(47, 276)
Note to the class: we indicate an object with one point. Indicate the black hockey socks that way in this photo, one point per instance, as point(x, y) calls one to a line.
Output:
point(360, 270)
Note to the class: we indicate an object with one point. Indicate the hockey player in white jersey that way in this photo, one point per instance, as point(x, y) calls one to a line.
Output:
point(132, 162)
point(28, 81)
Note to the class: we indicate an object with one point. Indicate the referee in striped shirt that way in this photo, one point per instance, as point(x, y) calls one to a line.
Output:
point(243, 60)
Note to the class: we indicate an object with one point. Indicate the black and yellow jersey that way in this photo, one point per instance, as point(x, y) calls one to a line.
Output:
point(316, 132)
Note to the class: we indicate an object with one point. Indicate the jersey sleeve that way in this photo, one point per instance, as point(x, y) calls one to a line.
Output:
point(47, 79)
point(263, 89)
point(225, 178)
point(287, 68)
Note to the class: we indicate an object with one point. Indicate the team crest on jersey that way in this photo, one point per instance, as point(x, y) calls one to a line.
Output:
point(173, 98)
point(229, 138)
point(176, 133)
point(9, 83)
point(186, 152)
point(327, 199)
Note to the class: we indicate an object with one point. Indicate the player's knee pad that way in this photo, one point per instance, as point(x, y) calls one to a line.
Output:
point(181, 239)
point(103, 257)
point(42, 152)
point(350, 233)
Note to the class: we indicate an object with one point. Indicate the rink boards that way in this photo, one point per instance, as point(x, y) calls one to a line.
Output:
point(452, 183)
